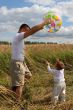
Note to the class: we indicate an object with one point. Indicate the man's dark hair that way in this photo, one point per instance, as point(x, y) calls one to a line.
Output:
point(24, 26)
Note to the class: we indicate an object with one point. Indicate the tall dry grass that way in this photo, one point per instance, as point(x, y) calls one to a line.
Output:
point(39, 89)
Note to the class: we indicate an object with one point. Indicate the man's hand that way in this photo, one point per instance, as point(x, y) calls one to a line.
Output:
point(27, 75)
point(48, 21)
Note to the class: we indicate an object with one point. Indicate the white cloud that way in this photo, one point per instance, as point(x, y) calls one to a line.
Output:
point(16, 16)
point(3, 10)
point(41, 2)
point(66, 9)
point(11, 19)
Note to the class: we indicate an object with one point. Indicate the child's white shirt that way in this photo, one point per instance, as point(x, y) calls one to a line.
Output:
point(58, 74)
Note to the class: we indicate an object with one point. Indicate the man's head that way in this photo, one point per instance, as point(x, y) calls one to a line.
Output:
point(24, 28)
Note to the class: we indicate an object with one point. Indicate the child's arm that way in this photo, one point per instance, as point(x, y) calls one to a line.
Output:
point(49, 68)
point(48, 64)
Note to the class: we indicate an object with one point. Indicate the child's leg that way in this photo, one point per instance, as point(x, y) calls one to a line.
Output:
point(56, 93)
point(63, 95)
point(63, 92)
point(55, 100)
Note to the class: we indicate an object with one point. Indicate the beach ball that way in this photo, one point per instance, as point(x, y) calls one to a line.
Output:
point(55, 24)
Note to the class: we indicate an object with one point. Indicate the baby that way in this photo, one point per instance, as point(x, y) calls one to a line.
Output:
point(59, 81)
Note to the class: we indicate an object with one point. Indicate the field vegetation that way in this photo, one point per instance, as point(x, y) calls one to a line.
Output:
point(37, 92)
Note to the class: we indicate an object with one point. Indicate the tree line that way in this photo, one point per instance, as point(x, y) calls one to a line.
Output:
point(27, 42)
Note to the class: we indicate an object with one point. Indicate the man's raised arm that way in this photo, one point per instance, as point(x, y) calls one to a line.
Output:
point(36, 28)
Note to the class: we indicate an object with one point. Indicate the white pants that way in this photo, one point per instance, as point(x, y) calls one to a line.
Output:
point(59, 92)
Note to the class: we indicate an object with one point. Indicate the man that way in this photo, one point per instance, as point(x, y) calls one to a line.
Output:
point(18, 70)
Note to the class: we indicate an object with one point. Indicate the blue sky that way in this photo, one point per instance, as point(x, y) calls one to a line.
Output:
point(15, 12)
point(14, 3)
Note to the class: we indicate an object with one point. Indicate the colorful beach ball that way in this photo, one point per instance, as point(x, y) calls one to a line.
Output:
point(56, 22)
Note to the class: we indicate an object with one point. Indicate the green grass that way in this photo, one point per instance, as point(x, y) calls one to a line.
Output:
point(38, 90)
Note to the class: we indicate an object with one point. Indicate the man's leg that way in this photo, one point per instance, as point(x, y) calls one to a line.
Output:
point(17, 78)
point(18, 91)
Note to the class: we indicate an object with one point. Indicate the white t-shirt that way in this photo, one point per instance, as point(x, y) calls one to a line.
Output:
point(58, 74)
point(18, 47)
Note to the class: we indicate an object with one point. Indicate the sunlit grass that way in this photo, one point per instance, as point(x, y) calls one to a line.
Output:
point(38, 91)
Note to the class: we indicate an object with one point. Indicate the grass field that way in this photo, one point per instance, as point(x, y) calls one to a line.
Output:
point(38, 91)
